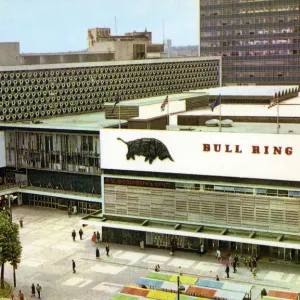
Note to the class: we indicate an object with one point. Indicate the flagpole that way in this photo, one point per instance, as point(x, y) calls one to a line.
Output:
point(278, 116)
point(220, 117)
point(119, 116)
point(168, 119)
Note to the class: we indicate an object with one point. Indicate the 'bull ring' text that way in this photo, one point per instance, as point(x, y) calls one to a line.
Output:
point(275, 150)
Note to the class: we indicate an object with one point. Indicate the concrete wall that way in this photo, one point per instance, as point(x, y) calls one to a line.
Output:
point(2, 150)
point(9, 54)
point(65, 58)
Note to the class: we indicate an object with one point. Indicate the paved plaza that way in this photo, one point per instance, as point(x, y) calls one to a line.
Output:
point(48, 250)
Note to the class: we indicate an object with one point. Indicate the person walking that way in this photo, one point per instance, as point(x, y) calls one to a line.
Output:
point(107, 249)
point(98, 237)
point(21, 295)
point(234, 266)
point(80, 233)
point(227, 271)
point(97, 253)
point(21, 223)
point(33, 290)
point(236, 259)
point(142, 245)
point(39, 289)
point(73, 266)
point(218, 255)
point(201, 249)
point(12, 295)
point(74, 235)
point(94, 237)
point(69, 212)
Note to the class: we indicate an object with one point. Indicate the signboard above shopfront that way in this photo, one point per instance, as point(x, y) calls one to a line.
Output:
point(261, 156)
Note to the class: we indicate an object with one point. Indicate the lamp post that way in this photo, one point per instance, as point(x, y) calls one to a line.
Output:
point(180, 288)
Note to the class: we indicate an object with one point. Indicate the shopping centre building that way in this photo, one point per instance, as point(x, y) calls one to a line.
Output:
point(230, 187)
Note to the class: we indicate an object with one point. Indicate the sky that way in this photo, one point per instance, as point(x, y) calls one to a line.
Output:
point(61, 25)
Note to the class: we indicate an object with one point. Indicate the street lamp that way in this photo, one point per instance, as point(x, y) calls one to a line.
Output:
point(10, 198)
point(180, 288)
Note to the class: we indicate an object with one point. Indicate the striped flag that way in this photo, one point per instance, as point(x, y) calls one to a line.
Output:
point(217, 102)
point(166, 101)
point(273, 103)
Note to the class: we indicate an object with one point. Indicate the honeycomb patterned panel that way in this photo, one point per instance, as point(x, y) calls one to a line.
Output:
point(26, 95)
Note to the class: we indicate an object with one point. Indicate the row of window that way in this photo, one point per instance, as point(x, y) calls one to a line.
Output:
point(266, 53)
point(258, 43)
point(238, 190)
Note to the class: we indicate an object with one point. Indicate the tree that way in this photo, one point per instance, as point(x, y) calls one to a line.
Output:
point(10, 245)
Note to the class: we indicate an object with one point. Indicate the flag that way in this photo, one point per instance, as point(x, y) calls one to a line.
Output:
point(117, 102)
point(91, 37)
point(215, 103)
point(273, 103)
point(166, 101)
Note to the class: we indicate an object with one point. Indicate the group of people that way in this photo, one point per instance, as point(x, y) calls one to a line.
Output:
point(80, 232)
point(234, 262)
point(107, 249)
point(96, 237)
point(34, 289)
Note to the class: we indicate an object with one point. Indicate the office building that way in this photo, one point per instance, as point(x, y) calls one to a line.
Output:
point(259, 41)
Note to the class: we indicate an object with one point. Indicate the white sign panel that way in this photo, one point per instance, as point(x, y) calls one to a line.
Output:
point(264, 156)
point(2, 150)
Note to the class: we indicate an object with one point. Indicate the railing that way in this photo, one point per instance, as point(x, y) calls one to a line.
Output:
point(20, 184)
point(62, 190)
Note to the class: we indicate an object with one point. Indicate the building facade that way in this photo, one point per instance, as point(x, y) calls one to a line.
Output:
point(30, 92)
point(228, 190)
point(258, 40)
point(132, 45)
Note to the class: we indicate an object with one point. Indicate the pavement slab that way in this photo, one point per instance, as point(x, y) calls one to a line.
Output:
point(48, 250)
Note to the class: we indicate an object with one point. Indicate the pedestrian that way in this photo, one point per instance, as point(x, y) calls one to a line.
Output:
point(98, 237)
point(21, 223)
point(157, 268)
point(97, 253)
point(201, 249)
point(227, 271)
point(33, 290)
point(217, 278)
point(218, 254)
point(251, 264)
point(12, 295)
point(94, 237)
point(263, 293)
point(39, 289)
point(236, 259)
point(75, 210)
point(107, 249)
point(73, 266)
point(234, 266)
point(74, 235)
point(80, 233)
point(142, 245)
point(69, 211)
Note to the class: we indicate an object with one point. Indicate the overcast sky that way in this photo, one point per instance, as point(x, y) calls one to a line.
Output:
point(61, 25)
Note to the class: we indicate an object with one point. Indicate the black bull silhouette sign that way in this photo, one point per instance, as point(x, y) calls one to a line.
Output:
point(148, 147)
